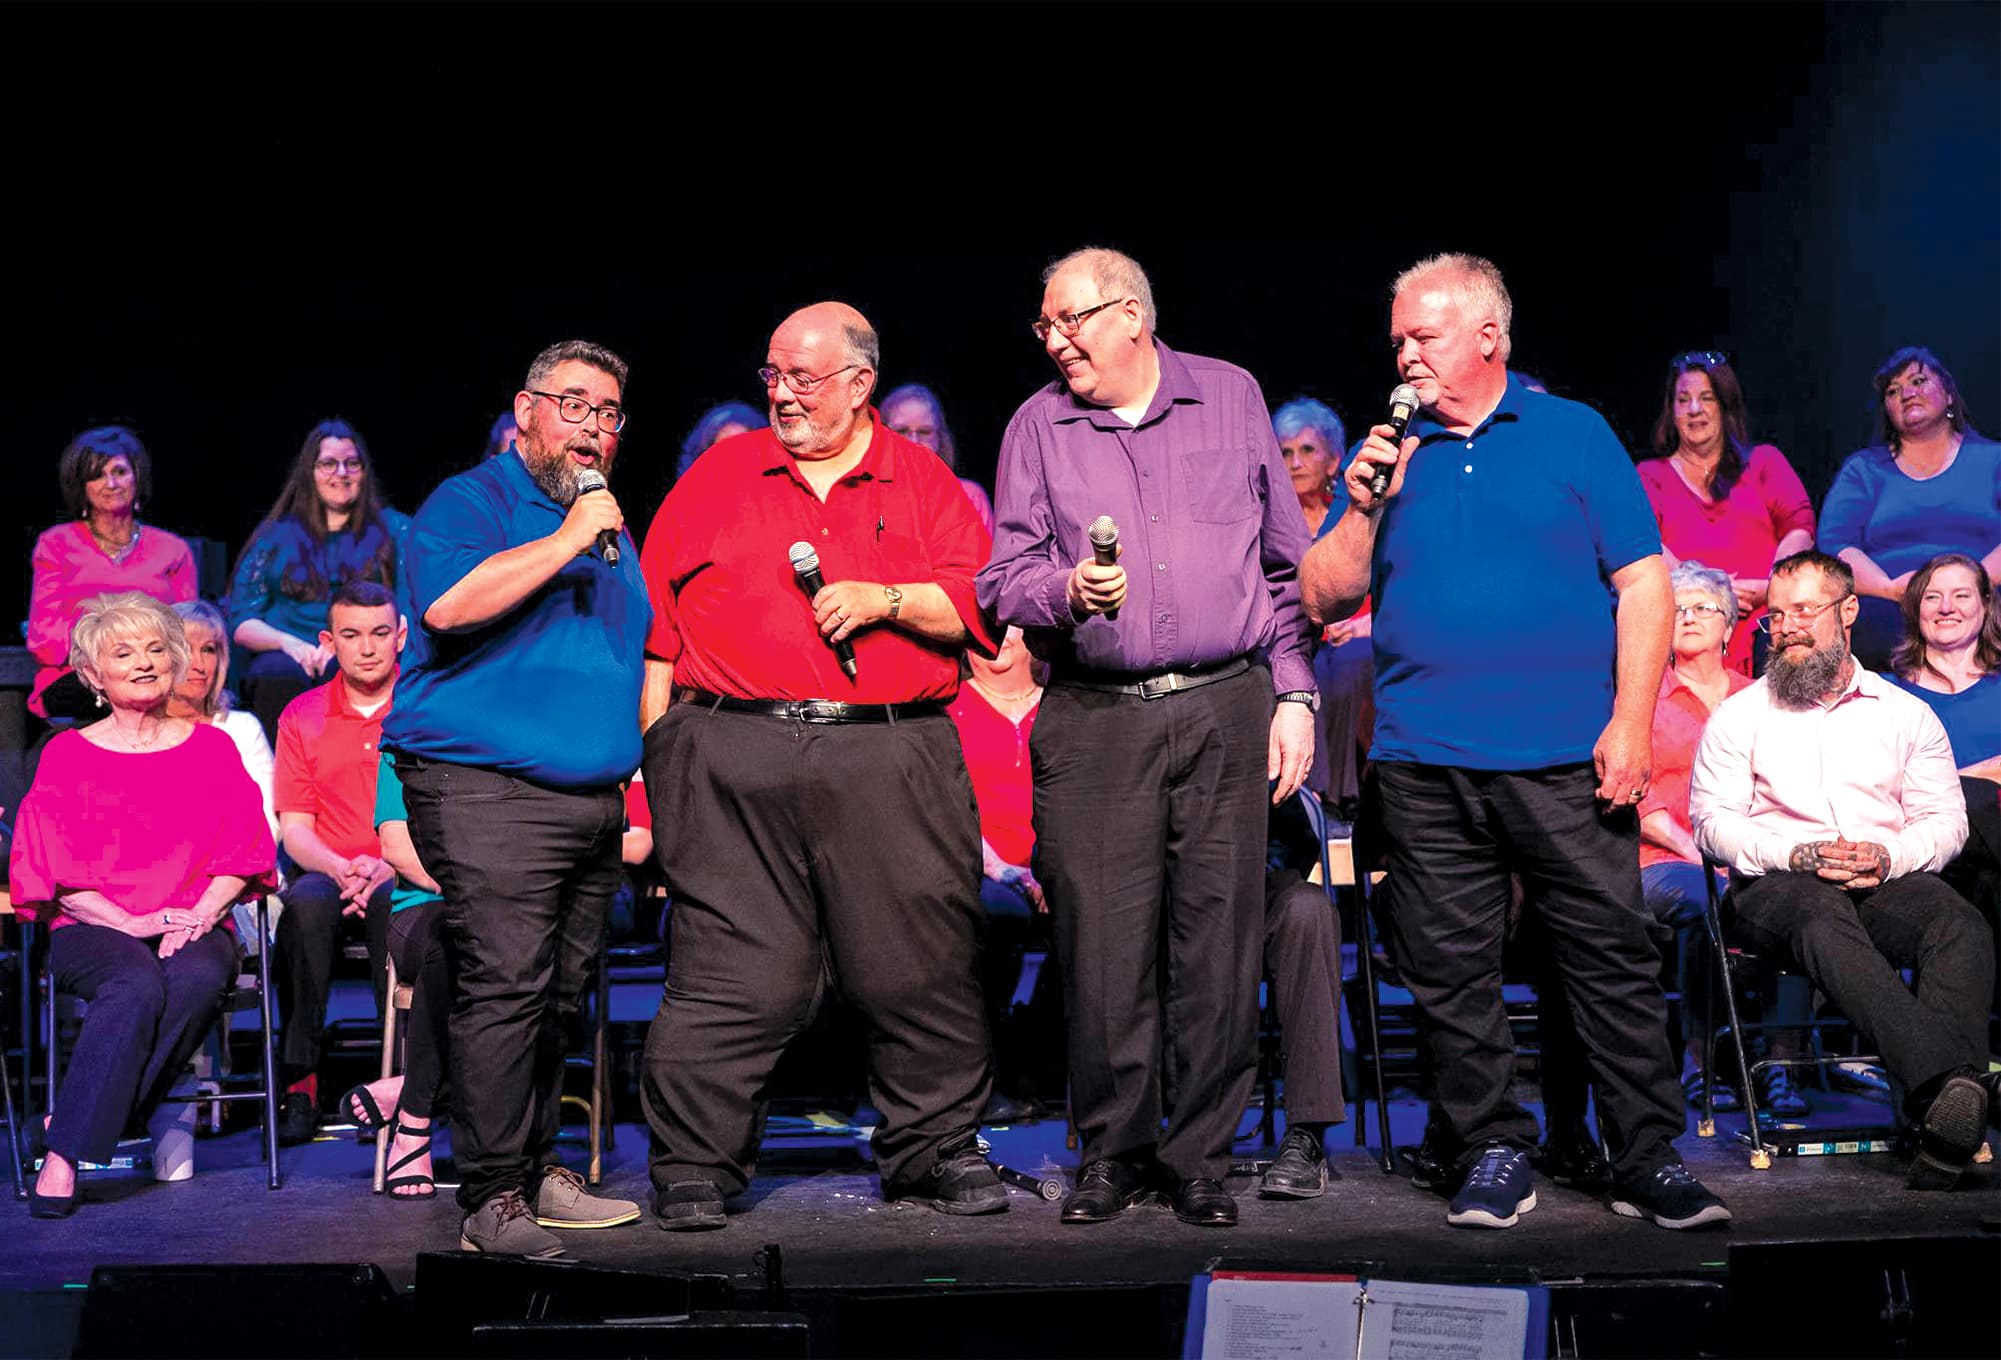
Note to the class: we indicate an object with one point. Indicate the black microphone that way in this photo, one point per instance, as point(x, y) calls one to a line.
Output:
point(589, 480)
point(1403, 405)
point(1105, 547)
point(806, 564)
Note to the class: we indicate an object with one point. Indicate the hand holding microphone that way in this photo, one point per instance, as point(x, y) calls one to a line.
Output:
point(595, 514)
point(806, 566)
point(1099, 585)
point(1376, 462)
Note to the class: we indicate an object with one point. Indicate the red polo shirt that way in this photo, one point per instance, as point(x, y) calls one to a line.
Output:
point(1679, 717)
point(1003, 783)
point(728, 610)
point(328, 754)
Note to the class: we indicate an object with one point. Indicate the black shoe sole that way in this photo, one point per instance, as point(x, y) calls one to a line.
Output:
point(1207, 1220)
point(700, 1220)
point(1268, 1190)
point(1950, 1135)
point(1069, 1215)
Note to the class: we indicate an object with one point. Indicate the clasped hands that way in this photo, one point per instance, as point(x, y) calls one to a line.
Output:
point(359, 878)
point(1854, 865)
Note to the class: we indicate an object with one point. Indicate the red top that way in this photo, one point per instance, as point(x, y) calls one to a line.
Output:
point(638, 813)
point(148, 829)
point(1679, 717)
point(70, 568)
point(328, 756)
point(997, 759)
point(1737, 534)
point(731, 615)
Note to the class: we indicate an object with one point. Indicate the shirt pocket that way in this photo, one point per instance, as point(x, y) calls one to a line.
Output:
point(1218, 485)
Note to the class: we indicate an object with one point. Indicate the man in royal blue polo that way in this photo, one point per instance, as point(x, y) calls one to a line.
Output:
point(516, 724)
point(1522, 614)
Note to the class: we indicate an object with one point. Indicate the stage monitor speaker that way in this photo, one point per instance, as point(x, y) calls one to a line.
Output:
point(1637, 1319)
point(297, 1311)
point(1049, 1322)
point(458, 1292)
point(1904, 1296)
point(711, 1336)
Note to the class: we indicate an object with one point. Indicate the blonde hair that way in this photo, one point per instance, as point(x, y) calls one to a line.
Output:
point(127, 615)
point(205, 615)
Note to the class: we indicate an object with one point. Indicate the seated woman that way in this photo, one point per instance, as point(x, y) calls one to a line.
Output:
point(328, 526)
point(409, 1103)
point(1950, 657)
point(140, 833)
point(105, 476)
point(1719, 498)
point(202, 696)
point(1932, 485)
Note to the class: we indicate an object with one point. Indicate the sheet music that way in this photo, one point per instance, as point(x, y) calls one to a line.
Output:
point(1253, 1319)
point(1443, 1322)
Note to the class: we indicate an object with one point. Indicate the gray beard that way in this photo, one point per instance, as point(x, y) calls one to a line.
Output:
point(1809, 682)
point(556, 476)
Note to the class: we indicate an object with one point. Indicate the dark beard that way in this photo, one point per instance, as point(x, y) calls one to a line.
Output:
point(1806, 683)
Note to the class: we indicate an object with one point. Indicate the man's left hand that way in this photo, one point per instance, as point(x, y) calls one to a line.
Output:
point(1623, 759)
point(843, 608)
point(1290, 755)
point(1865, 863)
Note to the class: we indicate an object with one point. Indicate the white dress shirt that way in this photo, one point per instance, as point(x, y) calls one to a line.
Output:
point(1873, 766)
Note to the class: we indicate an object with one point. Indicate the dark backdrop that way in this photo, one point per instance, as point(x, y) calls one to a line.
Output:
point(234, 222)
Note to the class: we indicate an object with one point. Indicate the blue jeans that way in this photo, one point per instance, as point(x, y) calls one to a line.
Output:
point(1674, 894)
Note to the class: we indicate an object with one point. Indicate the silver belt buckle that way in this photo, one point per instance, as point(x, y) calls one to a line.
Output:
point(1158, 685)
point(819, 711)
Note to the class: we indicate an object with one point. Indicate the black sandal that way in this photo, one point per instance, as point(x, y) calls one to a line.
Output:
point(392, 1183)
point(371, 1117)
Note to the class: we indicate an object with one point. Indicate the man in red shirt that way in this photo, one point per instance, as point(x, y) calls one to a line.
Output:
point(808, 812)
point(323, 786)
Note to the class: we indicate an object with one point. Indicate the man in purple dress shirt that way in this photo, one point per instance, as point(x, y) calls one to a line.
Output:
point(1150, 799)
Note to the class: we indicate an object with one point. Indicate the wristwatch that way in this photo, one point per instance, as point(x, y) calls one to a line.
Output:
point(895, 599)
point(1309, 697)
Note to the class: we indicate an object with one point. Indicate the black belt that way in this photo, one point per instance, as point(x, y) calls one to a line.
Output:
point(811, 710)
point(1162, 682)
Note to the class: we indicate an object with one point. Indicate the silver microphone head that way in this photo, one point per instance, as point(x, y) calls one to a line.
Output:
point(1104, 532)
point(804, 559)
point(1403, 397)
point(590, 479)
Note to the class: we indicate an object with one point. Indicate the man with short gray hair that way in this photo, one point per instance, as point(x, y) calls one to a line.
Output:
point(1168, 681)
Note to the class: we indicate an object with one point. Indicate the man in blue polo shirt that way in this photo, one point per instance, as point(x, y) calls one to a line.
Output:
point(1522, 613)
point(516, 724)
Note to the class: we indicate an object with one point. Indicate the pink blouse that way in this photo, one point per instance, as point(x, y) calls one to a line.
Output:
point(70, 568)
point(1737, 534)
point(147, 829)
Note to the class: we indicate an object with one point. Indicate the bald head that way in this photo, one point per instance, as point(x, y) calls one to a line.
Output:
point(825, 357)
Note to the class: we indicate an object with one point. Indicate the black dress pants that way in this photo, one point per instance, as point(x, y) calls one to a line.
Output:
point(1150, 828)
point(797, 851)
point(417, 941)
point(528, 874)
point(1852, 944)
point(1303, 956)
point(146, 1017)
point(309, 935)
point(1453, 836)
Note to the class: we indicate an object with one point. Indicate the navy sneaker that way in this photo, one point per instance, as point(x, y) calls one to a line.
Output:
point(1778, 1097)
point(1670, 1197)
point(1496, 1192)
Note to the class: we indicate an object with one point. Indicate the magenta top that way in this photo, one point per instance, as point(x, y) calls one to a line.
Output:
point(147, 829)
point(1737, 534)
point(70, 568)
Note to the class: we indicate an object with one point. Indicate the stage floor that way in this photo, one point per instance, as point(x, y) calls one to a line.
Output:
point(816, 1200)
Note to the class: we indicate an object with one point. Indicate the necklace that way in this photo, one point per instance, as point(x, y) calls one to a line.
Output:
point(999, 698)
point(1699, 476)
point(111, 547)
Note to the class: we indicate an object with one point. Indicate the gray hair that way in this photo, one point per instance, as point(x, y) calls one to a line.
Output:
point(126, 616)
point(577, 351)
point(1476, 282)
point(202, 614)
point(1693, 575)
point(863, 347)
point(1304, 413)
point(1117, 275)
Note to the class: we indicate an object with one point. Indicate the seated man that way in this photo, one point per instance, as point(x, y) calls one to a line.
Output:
point(329, 743)
point(1303, 959)
point(1832, 797)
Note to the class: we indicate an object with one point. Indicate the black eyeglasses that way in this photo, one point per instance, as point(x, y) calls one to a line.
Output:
point(574, 409)
point(1699, 358)
point(1069, 323)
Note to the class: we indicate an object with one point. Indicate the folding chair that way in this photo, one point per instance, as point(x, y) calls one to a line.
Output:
point(1337, 870)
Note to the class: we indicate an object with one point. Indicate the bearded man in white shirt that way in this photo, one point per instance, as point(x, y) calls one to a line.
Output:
point(1833, 798)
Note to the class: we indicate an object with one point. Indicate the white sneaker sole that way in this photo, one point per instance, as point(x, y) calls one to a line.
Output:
point(615, 1221)
point(1483, 1218)
point(1715, 1213)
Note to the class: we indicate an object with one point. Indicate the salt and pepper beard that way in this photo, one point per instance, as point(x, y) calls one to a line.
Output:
point(1807, 683)
point(554, 471)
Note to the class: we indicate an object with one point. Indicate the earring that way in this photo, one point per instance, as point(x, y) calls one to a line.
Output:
point(100, 697)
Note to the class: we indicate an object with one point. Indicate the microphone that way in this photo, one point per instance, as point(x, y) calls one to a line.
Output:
point(1403, 405)
point(589, 480)
point(1105, 547)
point(806, 565)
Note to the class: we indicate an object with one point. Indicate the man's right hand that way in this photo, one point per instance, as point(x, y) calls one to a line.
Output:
point(1094, 589)
point(311, 659)
point(1377, 452)
point(590, 515)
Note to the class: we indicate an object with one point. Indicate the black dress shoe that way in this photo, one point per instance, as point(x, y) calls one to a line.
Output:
point(1205, 1203)
point(298, 1119)
point(50, 1206)
point(1106, 1189)
point(1299, 1171)
point(1572, 1157)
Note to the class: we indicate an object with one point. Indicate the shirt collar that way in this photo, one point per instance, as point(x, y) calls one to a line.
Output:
point(1176, 384)
point(878, 459)
point(1427, 427)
